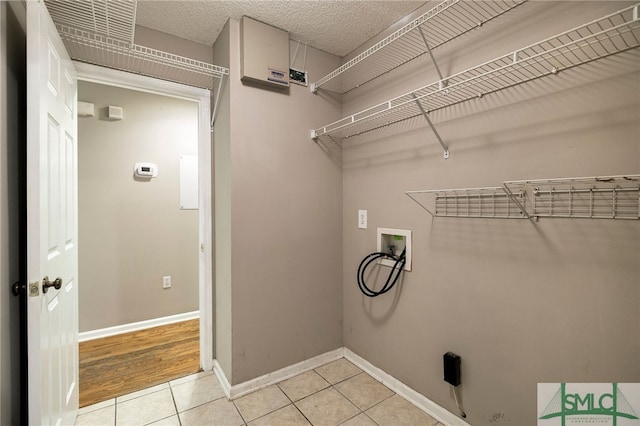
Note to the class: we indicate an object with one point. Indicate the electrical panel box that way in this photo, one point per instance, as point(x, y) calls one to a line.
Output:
point(394, 241)
point(264, 53)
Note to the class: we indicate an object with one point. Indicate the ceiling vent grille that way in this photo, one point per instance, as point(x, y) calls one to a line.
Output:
point(114, 19)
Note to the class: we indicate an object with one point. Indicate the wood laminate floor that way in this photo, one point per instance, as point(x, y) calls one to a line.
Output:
point(117, 365)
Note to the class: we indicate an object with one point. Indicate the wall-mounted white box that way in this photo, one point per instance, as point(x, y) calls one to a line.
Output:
point(264, 53)
point(399, 239)
point(115, 113)
point(86, 109)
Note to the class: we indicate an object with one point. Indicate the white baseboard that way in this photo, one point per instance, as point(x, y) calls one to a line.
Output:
point(236, 391)
point(425, 404)
point(422, 402)
point(222, 379)
point(135, 326)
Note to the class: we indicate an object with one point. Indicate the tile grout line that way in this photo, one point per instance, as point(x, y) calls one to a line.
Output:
point(360, 411)
point(273, 411)
point(333, 386)
point(378, 403)
point(175, 405)
point(353, 402)
point(244, 421)
point(202, 404)
point(292, 402)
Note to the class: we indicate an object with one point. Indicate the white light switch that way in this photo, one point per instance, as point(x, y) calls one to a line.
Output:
point(166, 281)
point(362, 219)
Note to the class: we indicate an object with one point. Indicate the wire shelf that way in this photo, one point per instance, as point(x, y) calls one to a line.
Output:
point(488, 202)
point(604, 197)
point(442, 24)
point(600, 197)
point(113, 53)
point(609, 35)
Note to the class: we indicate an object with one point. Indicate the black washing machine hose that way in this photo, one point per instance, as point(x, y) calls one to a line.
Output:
point(392, 279)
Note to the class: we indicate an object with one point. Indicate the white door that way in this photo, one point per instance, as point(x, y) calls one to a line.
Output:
point(52, 249)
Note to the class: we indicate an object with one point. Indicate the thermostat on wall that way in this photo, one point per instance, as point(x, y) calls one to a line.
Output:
point(146, 170)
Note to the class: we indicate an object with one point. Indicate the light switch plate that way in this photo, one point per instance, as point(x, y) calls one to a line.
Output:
point(166, 281)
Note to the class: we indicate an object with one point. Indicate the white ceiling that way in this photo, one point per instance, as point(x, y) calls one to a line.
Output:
point(336, 27)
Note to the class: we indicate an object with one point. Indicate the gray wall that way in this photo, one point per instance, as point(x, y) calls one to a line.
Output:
point(133, 232)
point(171, 44)
point(12, 143)
point(521, 302)
point(222, 213)
point(282, 223)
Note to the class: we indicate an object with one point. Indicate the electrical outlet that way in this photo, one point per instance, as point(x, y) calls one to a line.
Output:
point(362, 219)
point(166, 281)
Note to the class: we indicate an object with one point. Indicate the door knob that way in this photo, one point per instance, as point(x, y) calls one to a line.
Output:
point(16, 288)
point(57, 283)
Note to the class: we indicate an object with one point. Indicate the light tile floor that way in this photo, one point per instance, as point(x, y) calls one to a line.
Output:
point(338, 393)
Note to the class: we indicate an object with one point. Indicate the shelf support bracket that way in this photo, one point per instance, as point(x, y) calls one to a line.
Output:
point(443, 82)
point(217, 101)
point(435, 132)
point(514, 198)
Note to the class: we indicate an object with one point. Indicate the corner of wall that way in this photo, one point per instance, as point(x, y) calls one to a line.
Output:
point(222, 214)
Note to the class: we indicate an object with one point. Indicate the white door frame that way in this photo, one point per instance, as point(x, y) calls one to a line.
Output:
point(111, 77)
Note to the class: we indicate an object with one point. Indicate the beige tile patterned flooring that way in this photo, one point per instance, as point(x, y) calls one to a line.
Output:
point(338, 393)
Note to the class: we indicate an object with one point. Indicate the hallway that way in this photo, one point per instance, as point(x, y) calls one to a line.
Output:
point(119, 365)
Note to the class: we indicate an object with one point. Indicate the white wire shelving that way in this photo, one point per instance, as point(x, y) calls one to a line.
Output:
point(86, 46)
point(442, 24)
point(609, 35)
point(102, 32)
point(488, 202)
point(93, 48)
point(603, 197)
point(598, 197)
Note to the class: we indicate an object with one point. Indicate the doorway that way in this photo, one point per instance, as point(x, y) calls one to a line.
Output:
point(155, 297)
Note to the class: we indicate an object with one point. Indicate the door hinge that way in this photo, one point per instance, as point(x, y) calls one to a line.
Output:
point(34, 289)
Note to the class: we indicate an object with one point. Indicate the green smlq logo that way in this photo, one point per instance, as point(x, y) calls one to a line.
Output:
point(565, 404)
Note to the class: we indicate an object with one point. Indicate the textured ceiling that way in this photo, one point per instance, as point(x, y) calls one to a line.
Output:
point(336, 27)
